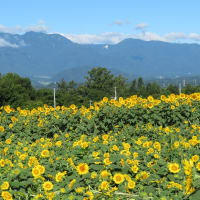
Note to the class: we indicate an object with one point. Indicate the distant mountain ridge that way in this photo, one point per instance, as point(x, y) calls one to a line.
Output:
point(35, 54)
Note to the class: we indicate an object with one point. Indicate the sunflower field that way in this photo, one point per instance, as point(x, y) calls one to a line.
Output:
point(132, 148)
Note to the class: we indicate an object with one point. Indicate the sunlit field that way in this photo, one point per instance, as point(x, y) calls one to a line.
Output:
point(132, 148)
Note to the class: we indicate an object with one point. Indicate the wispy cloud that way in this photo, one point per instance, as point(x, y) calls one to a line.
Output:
point(148, 36)
point(40, 27)
point(113, 38)
point(194, 36)
point(141, 26)
point(120, 22)
point(174, 36)
point(4, 43)
point(13, 30)
point(104, 38)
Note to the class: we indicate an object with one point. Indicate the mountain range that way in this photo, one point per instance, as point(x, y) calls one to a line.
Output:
point(49, 57)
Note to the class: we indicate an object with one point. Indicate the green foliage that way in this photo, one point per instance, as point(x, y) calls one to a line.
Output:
point(17, 91)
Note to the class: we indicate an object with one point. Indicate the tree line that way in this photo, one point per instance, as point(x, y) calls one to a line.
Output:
point(17, 91)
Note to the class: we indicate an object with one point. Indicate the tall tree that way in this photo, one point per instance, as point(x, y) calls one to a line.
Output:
point(141, 91)
point(189, 89)
point(133, 87)
point(15, 90)
point(99, 83)
point(153, 89)
point(172, 89)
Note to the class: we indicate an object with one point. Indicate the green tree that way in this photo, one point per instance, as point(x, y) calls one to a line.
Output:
point(121, 86)
point(172, 89)
point(153, 89)
point(15, 90)
point(45, 96)
point(99, 83)
point(189, 89)
point(141, 90)
point(133, 87)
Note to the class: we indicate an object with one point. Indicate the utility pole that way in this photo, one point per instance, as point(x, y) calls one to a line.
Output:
point(115, 93)
point(54, 97)
point(90, 102)
point(184, 83)
point(179, 88)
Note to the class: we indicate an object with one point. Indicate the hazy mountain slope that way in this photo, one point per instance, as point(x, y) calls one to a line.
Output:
point(38, 54)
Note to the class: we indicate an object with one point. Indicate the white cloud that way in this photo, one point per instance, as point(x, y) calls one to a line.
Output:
point(194, 36)
point(173, 36)
point(118, 22)
point(40, 27)
point(141, 26)
point(13, 30)
point(113, 38)
point(148, 36)
point(104, 38)
point(4, 43)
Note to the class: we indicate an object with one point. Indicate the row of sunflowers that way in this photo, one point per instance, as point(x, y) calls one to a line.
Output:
point(132, 148)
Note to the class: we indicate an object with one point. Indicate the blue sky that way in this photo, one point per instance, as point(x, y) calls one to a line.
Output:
point(105, 21)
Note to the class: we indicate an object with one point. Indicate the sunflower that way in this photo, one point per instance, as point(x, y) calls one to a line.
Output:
point(172, 107)
point(173, 167)
point(131, 184)
point(47, 186)
point(58, 143)
point(135, 155)
point(6, 195)
point(59, 176)
point(36, 172)
point(41, 168)
point(118, 178)
point(156, 156)
point(105, 99)
point(93, 175)
point(73, 107)
point(176, 144)
point(2, 129)
point(107, 161)
point(95, 153)
point(195, 158)
point(79, 190)
point(198, 166)
point(62, 190)
point(5, 185)
point(71, 183)
point(105, 137)
point(104, 185)
point(115, 148)
point(150, 105)
point(104, 174)
point(144, 175)
point(90, 195)
point(82, 168)
point(45, 153)
point(134, 169)
point(50, 195)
